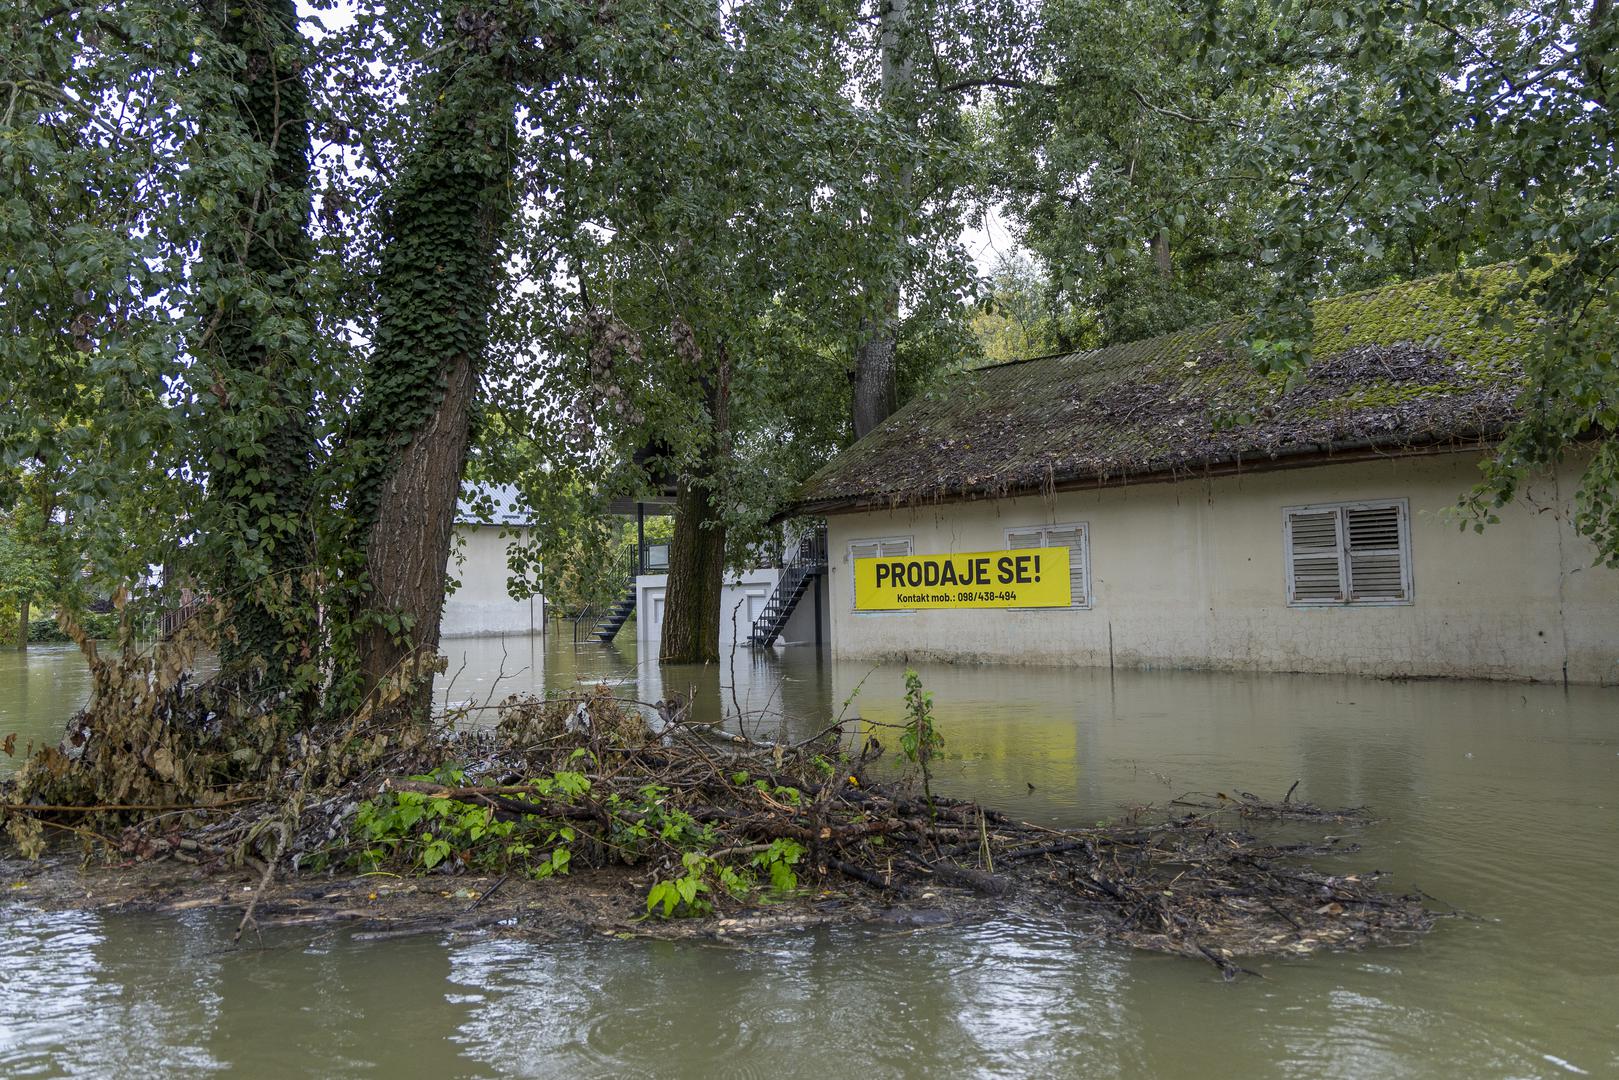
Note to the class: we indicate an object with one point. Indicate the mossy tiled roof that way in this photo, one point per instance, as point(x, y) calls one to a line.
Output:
point(1407, 366)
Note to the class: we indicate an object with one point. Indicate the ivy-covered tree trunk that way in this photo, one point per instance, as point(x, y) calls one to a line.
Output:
point(254, 349)
point(22, 625)
point(691, 603)
point(437, 287)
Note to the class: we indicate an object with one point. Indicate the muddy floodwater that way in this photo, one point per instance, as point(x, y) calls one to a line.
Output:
point(1498, 798)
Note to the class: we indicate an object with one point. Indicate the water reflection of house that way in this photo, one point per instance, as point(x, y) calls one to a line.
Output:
point(488, 521)
point(1218, 519)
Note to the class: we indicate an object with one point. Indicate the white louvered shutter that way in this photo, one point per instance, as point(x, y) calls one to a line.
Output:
point(874, 549)
point(1315, 564)
point(1071, 537)
point(1028, 538)
point(1378, 567)
point(860, 549)
point(1074, 540)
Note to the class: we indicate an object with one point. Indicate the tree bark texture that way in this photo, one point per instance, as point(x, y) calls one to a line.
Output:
point(691, 608)
point(22, 625)
point(438, 282)
point(258, 440)
point(1161, 257)
point(875, 393)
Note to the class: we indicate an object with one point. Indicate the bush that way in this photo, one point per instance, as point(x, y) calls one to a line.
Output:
point(45, 631)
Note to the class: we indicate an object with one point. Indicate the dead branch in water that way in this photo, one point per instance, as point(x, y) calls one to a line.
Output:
point(651, 803)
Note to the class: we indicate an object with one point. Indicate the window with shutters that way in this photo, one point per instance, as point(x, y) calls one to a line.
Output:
point(884, 547)
point(1348, 553)
point(1076, 538)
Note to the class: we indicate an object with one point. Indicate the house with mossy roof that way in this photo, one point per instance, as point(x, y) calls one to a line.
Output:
point(1180, 508)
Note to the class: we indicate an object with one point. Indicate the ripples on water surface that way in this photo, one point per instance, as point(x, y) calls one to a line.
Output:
point(1503, 799)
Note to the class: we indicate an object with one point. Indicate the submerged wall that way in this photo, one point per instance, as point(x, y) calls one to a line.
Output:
point(1192, 575)
point(482, 605)
point(742, 598)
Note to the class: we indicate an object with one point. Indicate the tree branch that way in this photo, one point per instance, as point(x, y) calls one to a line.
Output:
point(1002, 81)
point(1165, 111)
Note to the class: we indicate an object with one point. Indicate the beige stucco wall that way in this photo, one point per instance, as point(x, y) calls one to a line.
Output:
point(481, 605)
point(1191, 575)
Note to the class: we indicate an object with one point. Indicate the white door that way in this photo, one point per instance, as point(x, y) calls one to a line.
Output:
point(651, 625)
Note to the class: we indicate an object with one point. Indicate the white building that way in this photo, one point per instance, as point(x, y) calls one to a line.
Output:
point(743, 599)
point(797, 588)
point(1216, 519)
point(482, 604)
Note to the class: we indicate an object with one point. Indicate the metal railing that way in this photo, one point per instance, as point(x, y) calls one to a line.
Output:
point(798, 571)
point(584, 617)
point(170, 621)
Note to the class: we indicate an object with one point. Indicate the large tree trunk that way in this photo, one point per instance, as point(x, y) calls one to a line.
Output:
point(1161, 257)
point(691, 610)
point(409, 546)
point(259, 443)
point(874, 394)
point(1594, 51)
point(691, 607)
point(22, 625)
point(438, 281)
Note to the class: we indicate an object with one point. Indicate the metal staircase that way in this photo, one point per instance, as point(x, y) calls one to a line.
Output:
point(608, 626)
point(798, 576)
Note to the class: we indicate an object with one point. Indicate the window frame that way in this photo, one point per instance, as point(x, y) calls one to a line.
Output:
point(910, 549)
point(1084, 528)
point(1402, 507)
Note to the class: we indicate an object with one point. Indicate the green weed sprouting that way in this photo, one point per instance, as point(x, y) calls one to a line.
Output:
point(687, 894)
point(920, 740)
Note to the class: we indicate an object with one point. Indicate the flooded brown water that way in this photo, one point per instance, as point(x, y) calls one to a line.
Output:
point(1501, 799)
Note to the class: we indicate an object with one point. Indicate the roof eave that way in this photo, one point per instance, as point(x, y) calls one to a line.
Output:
point(1299, 457)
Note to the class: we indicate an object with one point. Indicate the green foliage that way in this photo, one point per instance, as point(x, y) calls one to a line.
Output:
point(778, 862)
point(1017, 317)
point(1446, 134)
point(705, 324)
point(650, 818)
point(95, 145)
point(588, 564)
point(254, 344)
point(44, 558)
point(702, 876)
point(920, 739)
point(1128, 168)
point(428, 832)
point(24, 568)
point(245, 248)
point(1175, 165)
point(685, 892)
point(97, 624)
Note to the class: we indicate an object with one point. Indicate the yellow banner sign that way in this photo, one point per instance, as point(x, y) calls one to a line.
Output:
point(1021, 578)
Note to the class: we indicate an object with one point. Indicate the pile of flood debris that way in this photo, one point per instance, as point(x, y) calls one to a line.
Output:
point(597, 813)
